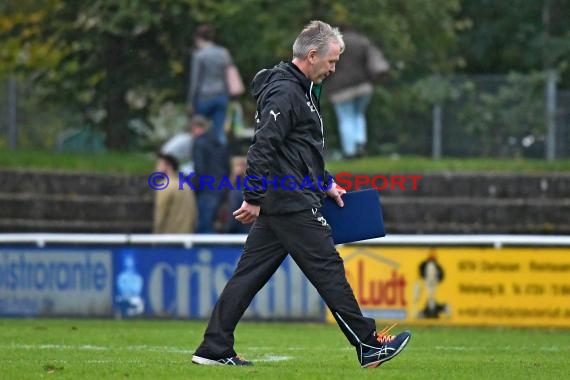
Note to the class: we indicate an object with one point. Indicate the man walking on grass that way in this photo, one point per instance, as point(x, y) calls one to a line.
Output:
point(289, 141)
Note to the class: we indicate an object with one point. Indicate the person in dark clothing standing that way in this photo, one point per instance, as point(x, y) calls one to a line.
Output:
point(350, 89)
point(235, 196)
point(211, 164)
point(208, 91)
point(289, 141)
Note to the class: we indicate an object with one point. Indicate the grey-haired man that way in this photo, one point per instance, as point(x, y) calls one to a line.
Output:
point(289, 141)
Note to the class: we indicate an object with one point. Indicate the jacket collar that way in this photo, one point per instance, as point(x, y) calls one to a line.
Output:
point(305, 82)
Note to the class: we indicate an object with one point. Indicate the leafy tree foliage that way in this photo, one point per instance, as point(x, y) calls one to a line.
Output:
point(516, 35)
point(118, 63)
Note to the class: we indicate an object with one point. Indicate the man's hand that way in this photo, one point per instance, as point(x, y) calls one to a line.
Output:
point(335, 192)
point(247, 213)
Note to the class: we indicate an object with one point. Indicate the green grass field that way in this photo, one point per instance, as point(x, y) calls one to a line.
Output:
point(108, 349)
point(143, 163)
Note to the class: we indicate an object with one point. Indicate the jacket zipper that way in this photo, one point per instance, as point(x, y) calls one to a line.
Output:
point(318, 114)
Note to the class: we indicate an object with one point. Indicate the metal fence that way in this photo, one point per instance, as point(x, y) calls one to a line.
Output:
point(29, 122)
point(503, 116)
point(563, 124)
point(495, 116)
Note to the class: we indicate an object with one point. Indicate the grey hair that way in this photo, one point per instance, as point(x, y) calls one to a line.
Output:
point(316, 35)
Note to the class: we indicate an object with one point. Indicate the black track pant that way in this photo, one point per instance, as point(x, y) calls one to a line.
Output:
point(271, 238)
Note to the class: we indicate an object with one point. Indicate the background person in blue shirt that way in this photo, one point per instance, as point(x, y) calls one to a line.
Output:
point(211, 159)
point(208, 91)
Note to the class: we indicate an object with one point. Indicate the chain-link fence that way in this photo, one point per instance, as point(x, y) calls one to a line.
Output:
point(8, 107)
point(494, 116)
point(28, 122)
point(563, 124)
point(504, 116)
point(463, 116)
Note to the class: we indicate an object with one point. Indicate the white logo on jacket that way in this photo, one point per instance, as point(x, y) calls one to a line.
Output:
point(274, 114)
point(320, 219)
point(311, 107)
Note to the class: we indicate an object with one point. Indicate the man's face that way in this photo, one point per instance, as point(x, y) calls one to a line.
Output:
point(323, 65)
point(162, 166)
point(197, 130)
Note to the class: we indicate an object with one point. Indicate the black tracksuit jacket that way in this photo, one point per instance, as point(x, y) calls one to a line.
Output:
point(288, 142)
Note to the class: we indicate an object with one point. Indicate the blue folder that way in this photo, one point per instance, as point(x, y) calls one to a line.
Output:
point(359, 219)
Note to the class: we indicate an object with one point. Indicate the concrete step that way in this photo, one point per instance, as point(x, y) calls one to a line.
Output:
point(474, 228)
point(402, 214)
point(477, 215)
point(74, 226)
point(35, 201)
point(44, 182)
point(74, 207)
point(495, 185)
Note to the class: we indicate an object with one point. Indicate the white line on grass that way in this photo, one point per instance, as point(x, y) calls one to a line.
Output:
point(267, 357)
point(504, 348)
point(174, 350)
point(110, 361)
point(85, 347)
point(90, 347)
point(273, 358)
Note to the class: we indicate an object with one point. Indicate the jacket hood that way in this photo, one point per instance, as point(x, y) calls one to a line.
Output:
point(283, 71)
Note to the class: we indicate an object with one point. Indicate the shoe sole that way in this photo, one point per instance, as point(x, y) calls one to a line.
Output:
point(376, 364)
point(204, 361)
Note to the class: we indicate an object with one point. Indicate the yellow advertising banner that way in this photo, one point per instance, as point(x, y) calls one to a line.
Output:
point(461, 285)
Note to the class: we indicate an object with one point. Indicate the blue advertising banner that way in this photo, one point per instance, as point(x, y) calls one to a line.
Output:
point(185, 283)
point(55, 282)
point(142, 281)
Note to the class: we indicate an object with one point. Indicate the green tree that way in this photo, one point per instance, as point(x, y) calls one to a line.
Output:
point(516, 35)
point(113, 62)
point(118, 62)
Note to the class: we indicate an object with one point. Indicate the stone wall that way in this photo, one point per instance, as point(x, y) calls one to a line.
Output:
point(481, 203)
point(36, 201)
